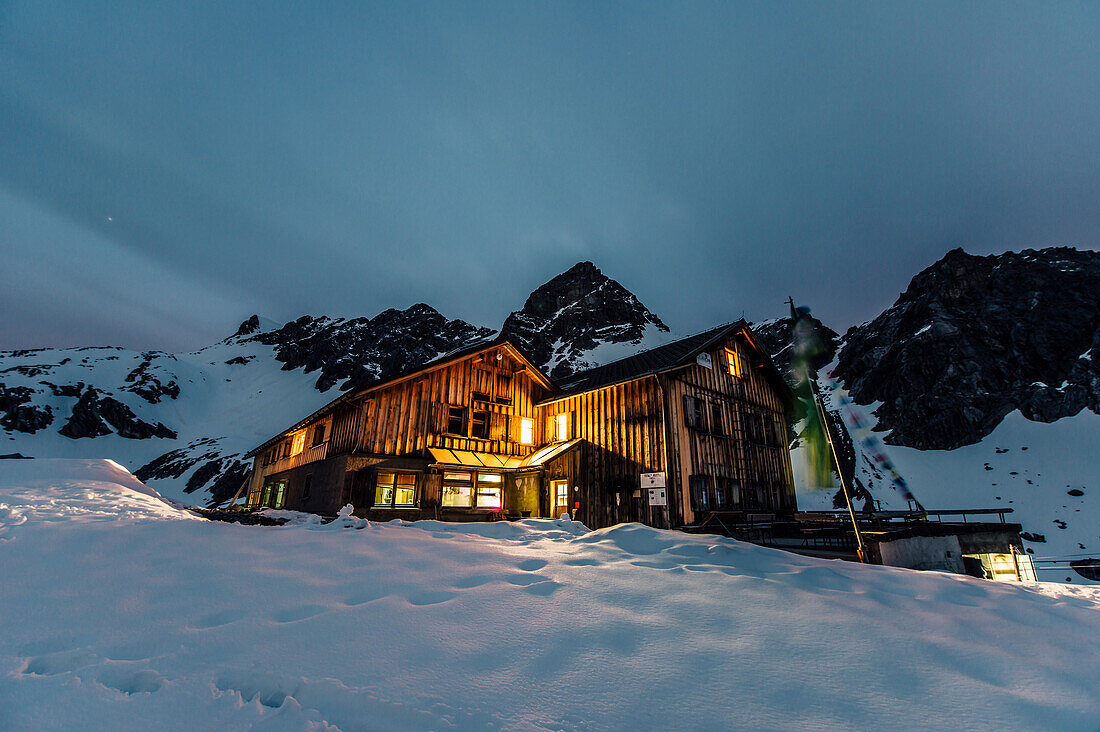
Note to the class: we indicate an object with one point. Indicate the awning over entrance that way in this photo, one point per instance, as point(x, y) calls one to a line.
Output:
point(444, 457)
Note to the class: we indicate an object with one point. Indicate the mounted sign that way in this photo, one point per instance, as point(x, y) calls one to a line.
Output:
point(653, 480)
point(704, 360)
point(658, 497)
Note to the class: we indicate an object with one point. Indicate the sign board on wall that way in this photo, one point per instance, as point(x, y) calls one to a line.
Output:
point(653, 480)
point(703, 359)
point(658, 497)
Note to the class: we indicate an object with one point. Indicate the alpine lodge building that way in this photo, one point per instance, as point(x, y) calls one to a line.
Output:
point(670, 437)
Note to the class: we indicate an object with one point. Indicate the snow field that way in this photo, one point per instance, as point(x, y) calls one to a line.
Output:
point(148, 618)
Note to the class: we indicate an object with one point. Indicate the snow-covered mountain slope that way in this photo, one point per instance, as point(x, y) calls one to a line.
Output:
point(150, 619)
point(183, 421)
point(581, 319)
point(213, 405)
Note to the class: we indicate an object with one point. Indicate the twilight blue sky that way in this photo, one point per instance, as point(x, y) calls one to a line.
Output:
point(167, 169)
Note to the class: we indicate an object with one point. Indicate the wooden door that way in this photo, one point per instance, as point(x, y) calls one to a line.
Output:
point(559, 498)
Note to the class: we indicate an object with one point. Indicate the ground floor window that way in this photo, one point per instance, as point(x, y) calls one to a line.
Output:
point(395, 490)
point(490, 490)
point(463, 489)
point(271, 495)
point(700, 500)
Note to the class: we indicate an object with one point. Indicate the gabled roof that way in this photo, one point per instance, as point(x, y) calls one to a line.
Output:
point(666, 358)
point(465, 351)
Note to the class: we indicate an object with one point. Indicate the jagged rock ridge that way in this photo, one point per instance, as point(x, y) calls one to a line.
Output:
point(974, 338)
point(362, 350)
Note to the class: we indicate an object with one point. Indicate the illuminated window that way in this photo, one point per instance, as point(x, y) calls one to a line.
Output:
point(254, 497)
point(272, 495)
point(561, 495)
point(395, 490)
point(456, 420)
point(526, 431)
point(490, 491)
point(298, 443)
point(561, 427)
point(480, 425)
point(457, 489)
point(279, 494)
point(733, 363)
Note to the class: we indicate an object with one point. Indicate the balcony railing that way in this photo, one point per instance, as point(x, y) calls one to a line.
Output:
point(309, 455)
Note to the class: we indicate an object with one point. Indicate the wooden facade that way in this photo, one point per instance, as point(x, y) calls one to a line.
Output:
point(483, 434)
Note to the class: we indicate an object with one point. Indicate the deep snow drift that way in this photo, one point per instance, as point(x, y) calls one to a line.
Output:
point(122, 611)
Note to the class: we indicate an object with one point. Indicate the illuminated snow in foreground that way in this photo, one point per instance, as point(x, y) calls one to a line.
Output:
point(121, 611)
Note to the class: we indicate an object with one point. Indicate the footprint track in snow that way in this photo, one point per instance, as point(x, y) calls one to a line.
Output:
point(294, 614)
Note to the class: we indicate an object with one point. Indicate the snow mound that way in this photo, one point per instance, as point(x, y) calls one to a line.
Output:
point(538, 624)
point(62, 490)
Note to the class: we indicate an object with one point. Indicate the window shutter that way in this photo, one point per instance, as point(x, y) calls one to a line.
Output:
point(498, 426)
point(689, 411)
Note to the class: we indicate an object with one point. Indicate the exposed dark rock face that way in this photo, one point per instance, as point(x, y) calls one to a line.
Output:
point(363, 350)
point(17, 413)
point(66, 390)
point(175, 463)
point(249, 326)
point(227, 481)
point(974, 338)
point(94, 411)
point(145, 383)
point(572, 314)
point(220, 475)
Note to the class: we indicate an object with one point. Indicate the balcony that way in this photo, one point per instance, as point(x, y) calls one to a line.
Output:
point(309, 455)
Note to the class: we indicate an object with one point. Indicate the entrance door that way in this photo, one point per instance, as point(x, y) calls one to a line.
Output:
point(559, 498)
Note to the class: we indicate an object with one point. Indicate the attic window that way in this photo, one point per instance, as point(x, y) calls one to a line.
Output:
point(318, 435)
point(734, 366)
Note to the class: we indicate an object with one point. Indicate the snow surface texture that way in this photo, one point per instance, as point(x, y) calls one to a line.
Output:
point(151, 619)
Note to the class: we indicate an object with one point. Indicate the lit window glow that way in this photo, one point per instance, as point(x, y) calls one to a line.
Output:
point(527, 431)
point(733, 363)
point(561, 427)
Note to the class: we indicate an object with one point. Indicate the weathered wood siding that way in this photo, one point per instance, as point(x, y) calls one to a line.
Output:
point(640, 427)
point(413, 415)
point(761, 467)
point(624, 428)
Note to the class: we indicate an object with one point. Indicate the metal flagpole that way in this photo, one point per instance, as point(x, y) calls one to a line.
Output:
point(839, 470)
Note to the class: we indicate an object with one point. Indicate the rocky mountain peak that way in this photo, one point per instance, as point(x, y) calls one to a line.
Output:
point(249, 326)
point(973, 338)
point(564, 320)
